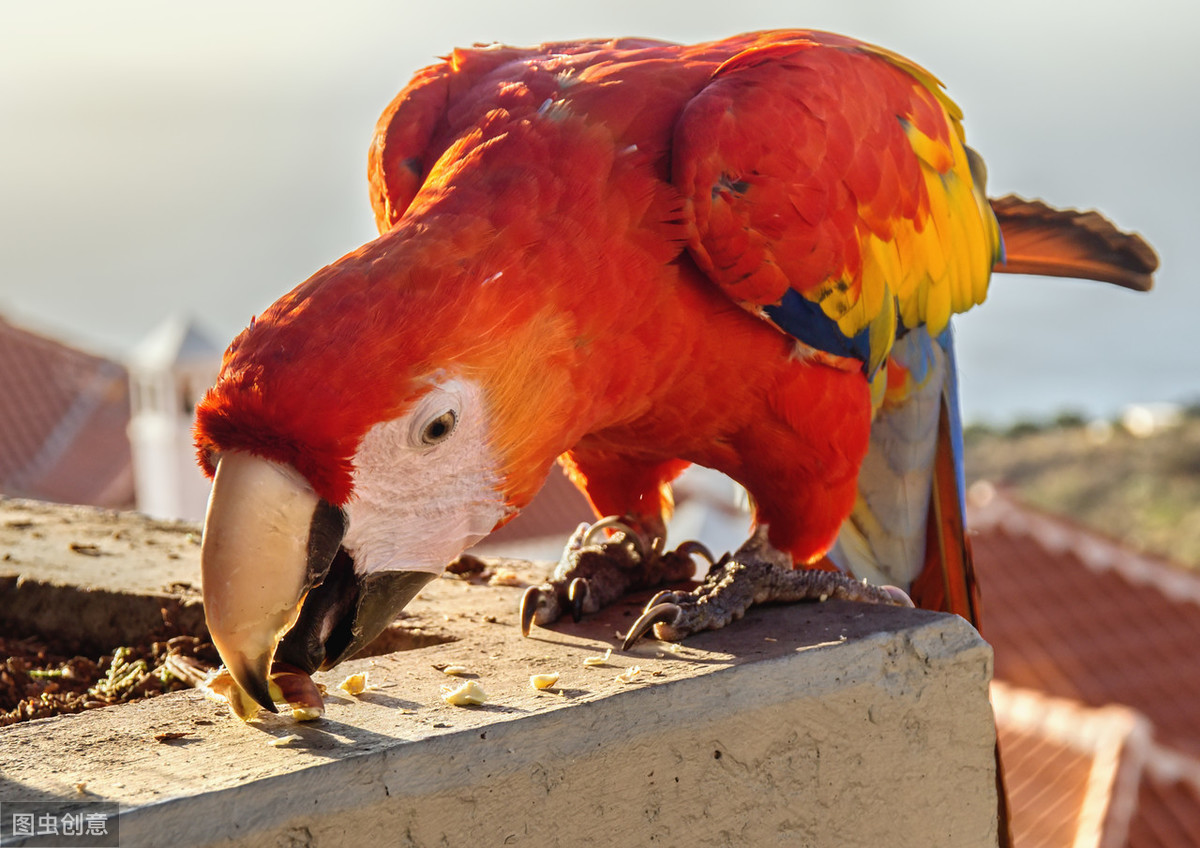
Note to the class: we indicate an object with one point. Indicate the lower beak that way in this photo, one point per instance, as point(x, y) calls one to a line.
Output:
point(342, 615)
point(268, 539)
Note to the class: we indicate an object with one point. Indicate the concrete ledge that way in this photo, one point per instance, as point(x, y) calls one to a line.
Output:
point(833, 724)
point(98, 577)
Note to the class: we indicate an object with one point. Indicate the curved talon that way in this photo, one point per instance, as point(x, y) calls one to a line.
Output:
point(529, 605)
point(609, 522)
point(656, 614)
point(660, 597)
point(899, 597)
point(694, 548)
point(615, 522)
point(577, 593)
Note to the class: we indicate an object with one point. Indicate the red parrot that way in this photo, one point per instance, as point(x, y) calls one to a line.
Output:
point(623, 256)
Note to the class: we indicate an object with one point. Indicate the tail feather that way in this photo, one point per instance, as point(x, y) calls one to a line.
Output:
point(1039, 239)
point(947, 580)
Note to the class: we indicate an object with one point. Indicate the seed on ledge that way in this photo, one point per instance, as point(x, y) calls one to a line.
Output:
point(355, 684)
point(469, 693)
point(543, 681)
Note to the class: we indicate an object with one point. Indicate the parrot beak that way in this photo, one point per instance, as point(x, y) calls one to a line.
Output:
point(279, 589)
point(268, 539)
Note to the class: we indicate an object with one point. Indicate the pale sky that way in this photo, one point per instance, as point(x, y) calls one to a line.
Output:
point(161, 158)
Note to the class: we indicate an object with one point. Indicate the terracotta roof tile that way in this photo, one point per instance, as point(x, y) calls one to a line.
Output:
point(1071, 770)
point(63, 420)
point(1079, 616)
point(1168, 813)
point(1088, 620)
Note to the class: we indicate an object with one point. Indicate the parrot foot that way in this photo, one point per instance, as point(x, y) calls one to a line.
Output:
point(756, 573)
point(594, 573)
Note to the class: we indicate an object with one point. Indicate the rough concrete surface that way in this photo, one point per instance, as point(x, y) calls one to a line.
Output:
point(94, 575)
point(813, 725)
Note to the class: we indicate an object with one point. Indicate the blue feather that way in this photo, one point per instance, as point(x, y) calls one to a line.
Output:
point(800, 317)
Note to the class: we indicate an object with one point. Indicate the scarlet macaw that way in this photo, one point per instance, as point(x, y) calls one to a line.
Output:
point(625, 256)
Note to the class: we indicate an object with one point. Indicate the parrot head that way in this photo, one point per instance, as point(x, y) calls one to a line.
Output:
point(365, 430)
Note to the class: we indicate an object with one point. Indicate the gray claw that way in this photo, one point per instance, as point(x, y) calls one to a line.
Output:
point(615, 522)
point(694, 548)
point(899, 596)
point(655, 614)
point(577, 593)
point(529, 605)
point(660, 597)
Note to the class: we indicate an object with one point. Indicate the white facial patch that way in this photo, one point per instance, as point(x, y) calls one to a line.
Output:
point(426, 485)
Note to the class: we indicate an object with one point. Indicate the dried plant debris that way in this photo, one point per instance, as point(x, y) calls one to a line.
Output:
point(39, 679)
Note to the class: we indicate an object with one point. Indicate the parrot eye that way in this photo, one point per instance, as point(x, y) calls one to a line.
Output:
point(439, 428)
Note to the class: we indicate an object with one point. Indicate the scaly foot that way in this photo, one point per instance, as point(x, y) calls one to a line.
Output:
point(595, 571)
point(755, 574)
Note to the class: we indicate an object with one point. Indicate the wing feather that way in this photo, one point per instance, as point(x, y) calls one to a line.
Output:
point(835, 170)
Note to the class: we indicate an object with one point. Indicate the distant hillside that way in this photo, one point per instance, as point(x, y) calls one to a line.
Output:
point(1144, 490)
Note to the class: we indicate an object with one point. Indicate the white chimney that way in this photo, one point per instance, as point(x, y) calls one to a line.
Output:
point(168, 374)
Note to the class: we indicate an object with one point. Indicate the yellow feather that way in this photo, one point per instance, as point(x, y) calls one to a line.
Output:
point(933, 153)
point(932, 252)
point(911, 307)
point(883, 333)
point(838, 298)
point(932, 83)
point(938, 304)
point(909, 269)
point(874, 279)
point(979, 252)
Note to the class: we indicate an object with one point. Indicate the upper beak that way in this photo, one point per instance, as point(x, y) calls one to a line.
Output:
point(268, 539)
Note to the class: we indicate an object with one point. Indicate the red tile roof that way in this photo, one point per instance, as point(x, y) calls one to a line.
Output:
point(1092, 626)
point(63, 419)
point(1071, 771)
point(1079, 616)
point(1167, 812)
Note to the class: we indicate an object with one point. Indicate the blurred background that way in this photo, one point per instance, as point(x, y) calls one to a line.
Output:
point(165, 159)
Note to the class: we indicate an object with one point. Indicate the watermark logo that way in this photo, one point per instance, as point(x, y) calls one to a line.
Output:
point(59, 824)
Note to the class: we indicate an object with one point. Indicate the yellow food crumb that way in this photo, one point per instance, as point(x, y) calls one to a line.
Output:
point(307, 712)
point(454, 670)
point(469, 693)
point(220, 686)
point(284, 741)
point(505, 577)
point(355, 684)
point(598, 660)
point(543, 681)
point(628, 674)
